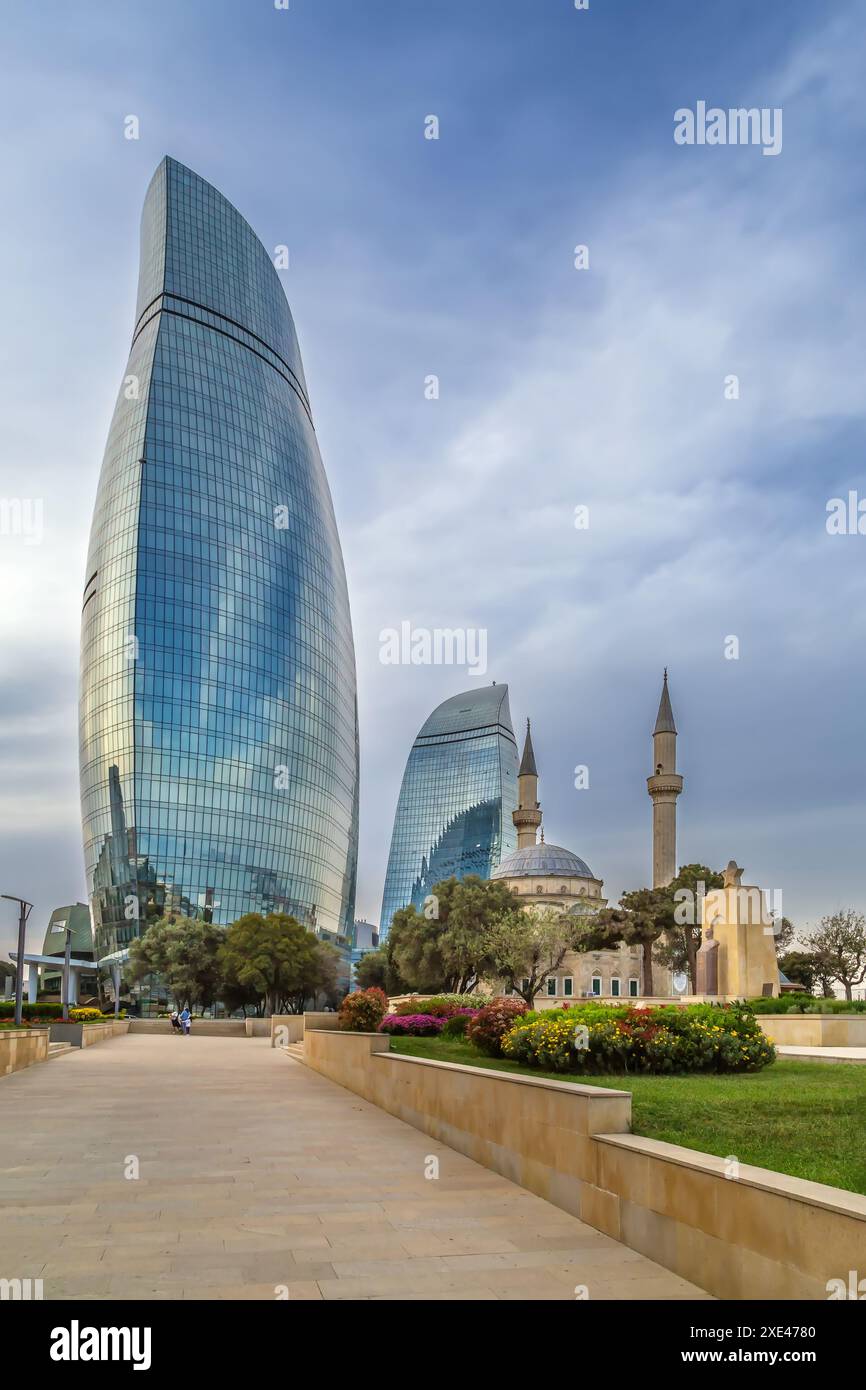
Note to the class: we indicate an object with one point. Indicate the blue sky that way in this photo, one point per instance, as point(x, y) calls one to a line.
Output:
point(557, 387)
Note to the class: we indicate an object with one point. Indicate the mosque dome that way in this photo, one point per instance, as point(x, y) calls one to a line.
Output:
point(536, 861)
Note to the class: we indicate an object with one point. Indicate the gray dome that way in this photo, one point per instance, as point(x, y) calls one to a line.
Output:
point(536, 861)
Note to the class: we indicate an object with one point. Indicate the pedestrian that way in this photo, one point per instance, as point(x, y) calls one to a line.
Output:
point(185, 1018)
point(175, 1021)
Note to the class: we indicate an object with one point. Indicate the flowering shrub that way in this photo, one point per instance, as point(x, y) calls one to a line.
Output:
point(363, 1011)
point(412, 1025)
point(456, 1026)
point(701, 1037)
point(490, 1024)
point(441, 1005)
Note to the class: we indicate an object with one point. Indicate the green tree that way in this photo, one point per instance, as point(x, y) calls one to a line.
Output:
point(784, 938)
point(801, 968)
point(525, 946)
point(839, 942)
point(643, 915)
point(267, 954)
point(317, 975)
point(184, 952)
point(686, 891)
point(443, 947)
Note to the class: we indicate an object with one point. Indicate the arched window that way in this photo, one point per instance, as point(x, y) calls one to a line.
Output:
point(615, 986)
point(539, 888)
point(596, 984)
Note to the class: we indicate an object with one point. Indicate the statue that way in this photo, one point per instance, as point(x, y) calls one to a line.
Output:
point(707, 964)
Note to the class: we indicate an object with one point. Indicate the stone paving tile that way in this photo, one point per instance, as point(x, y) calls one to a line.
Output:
point(257, 1175)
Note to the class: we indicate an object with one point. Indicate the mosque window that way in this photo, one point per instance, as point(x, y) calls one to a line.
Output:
point(564, 888)
point(615, 986)
point(539, 887)
point(551, 985)
point(568, 986)
point(632, 988)
point(596, 984)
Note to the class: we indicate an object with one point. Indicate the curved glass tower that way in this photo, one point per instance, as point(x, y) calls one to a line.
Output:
point(459, 790)
point(218, 724)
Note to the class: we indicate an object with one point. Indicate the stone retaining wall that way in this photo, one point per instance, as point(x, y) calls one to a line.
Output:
point(201, 1027)
point(21, 1047)
point(86, 1034)
point(815, 1030)
point(754, 1234)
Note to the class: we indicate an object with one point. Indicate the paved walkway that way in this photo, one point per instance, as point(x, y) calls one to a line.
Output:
point(822, 1054)
point(256, 1173)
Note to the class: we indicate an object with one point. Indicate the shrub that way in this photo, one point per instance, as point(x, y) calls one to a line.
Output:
point(28, 1010)
point(441, 1005)
point(412, 1025)
point(457, 1025)
point(86, 1015)
point(363, 1011)
point(491, 1023)
point(807, 1004)
point(701, 1037)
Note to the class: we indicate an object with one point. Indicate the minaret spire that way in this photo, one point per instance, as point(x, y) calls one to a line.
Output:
point(527, 817)
point(664, 786)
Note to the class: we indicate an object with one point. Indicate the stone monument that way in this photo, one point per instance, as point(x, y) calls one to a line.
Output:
point(738, 953)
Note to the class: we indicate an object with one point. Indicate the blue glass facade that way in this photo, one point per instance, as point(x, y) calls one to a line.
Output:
point(218, 723)
point(459, 790)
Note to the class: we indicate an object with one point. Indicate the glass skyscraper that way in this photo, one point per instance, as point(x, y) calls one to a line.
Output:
point(218, 723)
point(459, 790)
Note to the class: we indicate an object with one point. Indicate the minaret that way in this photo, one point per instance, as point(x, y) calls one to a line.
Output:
point(664, 787)
point(527, 817)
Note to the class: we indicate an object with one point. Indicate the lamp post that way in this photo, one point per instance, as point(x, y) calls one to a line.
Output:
point(23, 913)
point(66, 957)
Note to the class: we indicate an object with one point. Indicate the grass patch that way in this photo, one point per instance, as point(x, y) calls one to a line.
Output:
point(800, 1118)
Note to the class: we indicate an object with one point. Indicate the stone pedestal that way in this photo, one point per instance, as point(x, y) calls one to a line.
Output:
point(743, 929)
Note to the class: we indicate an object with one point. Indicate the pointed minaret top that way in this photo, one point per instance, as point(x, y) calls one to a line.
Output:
point(665, 718)
point(527, 762)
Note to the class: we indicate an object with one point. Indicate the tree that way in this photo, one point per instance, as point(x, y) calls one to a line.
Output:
point(840, 945)
point(687, 891)
point(642, 917)
point(268, 954)
point(784, 939)
point(443, 947)
point(317, 974)
point(524, 947)
point(184, 952)
point(414, 951)
point(800, 968)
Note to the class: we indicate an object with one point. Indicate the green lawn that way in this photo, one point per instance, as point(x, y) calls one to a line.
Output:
point(800, 1118)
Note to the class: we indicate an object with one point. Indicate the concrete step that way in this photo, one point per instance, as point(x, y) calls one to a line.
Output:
point(295, 1050)
point(58, 1049)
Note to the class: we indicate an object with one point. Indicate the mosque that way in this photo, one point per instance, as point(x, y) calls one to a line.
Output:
point(546, 875)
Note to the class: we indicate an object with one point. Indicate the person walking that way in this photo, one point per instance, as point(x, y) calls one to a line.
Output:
point(185, 1019)
point(175, 1021)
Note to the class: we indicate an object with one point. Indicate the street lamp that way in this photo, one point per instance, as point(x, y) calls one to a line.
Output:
point(23, 913)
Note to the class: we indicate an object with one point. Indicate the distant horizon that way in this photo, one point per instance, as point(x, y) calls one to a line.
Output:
point(583, 485)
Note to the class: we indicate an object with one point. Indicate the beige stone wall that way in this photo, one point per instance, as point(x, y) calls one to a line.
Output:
point(753, 1234)
point(286, 1028)
point(815, 1030)
point(201, 1027)
point(20, 1048)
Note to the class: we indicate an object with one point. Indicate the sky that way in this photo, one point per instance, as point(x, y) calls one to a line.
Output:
point(607, 387)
